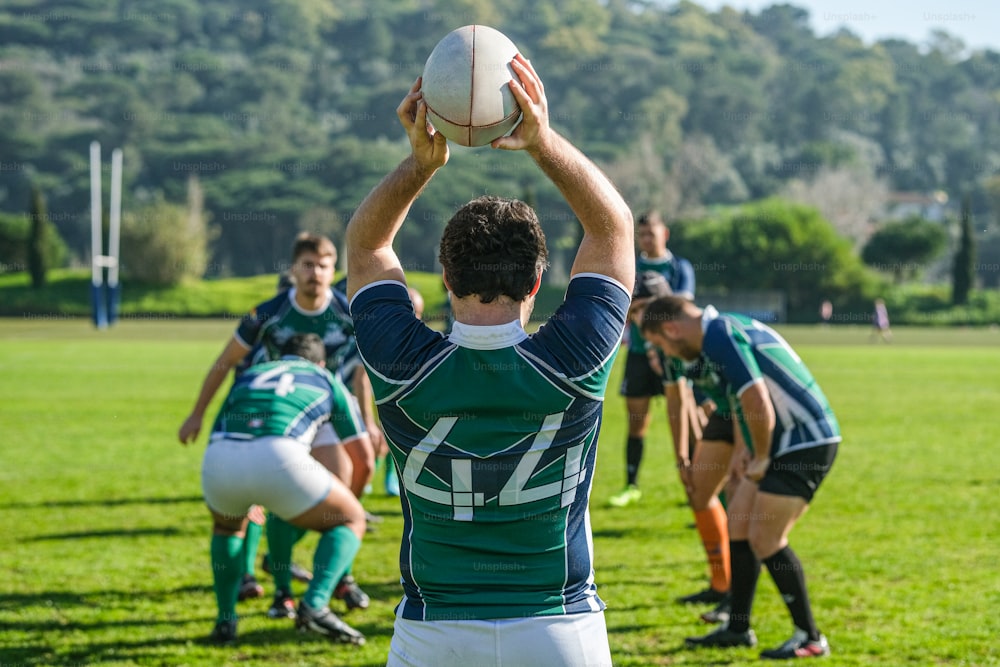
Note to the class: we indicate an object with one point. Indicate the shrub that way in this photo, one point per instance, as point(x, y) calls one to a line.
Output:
point(15, 233)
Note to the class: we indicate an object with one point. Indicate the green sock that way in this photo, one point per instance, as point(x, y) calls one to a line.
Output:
point(334, 555)
point(250, 544)
point(281, 538)
point(227, 573)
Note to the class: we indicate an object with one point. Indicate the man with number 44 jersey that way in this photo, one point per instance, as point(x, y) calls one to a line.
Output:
point(494, 432)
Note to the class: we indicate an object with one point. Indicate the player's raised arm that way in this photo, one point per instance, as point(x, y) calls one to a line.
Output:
point(374, 225)
point(607, 247)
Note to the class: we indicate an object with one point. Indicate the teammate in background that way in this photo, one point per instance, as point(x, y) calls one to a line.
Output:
point(309, 306)
point(641, 382)
point(880, 323)
point(792, 435)
point(703, 447)
point(704, 468)
point(495, 431)
point(258, 453)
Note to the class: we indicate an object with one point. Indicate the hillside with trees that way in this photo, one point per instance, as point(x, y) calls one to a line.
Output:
point(284, 111)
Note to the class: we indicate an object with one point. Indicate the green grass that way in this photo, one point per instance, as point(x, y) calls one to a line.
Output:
point(105, 557)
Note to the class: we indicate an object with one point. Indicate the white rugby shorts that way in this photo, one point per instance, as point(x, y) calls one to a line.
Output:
point(275, 472)
point(573, 640)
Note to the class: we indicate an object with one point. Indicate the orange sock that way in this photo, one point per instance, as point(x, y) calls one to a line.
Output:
point(713, 527)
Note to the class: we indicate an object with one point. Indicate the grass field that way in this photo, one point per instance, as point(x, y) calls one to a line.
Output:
point(105, 556)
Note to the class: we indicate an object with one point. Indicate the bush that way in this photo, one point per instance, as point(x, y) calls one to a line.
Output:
point(930, 305)
point(774, 244)
point(162, 244)
point(15, 233)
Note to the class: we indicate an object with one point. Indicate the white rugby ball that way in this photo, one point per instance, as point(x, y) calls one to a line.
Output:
point(466, 86)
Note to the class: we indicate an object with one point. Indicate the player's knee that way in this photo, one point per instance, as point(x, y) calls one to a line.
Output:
point(764, 543)
point(700, 498)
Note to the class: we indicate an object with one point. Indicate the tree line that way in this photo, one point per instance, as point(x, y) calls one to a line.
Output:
point(284, 112)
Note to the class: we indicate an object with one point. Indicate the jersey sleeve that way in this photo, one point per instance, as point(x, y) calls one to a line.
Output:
point(394, 345)
point(683, 283)
point(732, 353)
point(583, 335)
point(249, 329)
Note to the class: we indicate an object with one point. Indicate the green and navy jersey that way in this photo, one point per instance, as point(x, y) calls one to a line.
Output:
point(290, 398)
point(675, 370)
point(268, 326)
point(679, 274)
point(737, 352)
point(494, 433)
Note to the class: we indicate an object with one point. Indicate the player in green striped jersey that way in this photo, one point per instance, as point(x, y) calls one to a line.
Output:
point(792, 435)
point(494, 431)
point(258, 454)
point(641, 383)
point(703, 449)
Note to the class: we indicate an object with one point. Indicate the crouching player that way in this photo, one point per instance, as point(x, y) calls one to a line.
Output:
point(258, 453)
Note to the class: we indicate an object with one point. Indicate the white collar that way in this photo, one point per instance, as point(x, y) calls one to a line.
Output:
point(295, 304)
point(658, 260)
point(488, 337)
point(708, 313)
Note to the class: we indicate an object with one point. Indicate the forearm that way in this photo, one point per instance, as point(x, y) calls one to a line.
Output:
point(594, 199)
point(679, 428)
point(214, 379)
point(760, 419)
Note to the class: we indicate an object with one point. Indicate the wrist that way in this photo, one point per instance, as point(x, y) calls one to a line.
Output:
point(544, 146)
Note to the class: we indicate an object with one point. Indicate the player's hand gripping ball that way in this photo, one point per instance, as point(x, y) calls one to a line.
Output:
point(466, 86)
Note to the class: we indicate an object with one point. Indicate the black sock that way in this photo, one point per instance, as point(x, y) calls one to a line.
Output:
point(746, 569)
point(786, 570)
point(633, 457)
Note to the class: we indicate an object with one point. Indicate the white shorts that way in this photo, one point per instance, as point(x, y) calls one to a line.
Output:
point(572, 640)
point(326, 436)
point(275, 472)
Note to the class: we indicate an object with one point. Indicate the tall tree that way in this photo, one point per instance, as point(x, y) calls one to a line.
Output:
point(963, 270)
point(37, 265)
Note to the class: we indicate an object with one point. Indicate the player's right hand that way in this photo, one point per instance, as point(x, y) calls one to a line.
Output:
point(189, 429)
point(429, 147)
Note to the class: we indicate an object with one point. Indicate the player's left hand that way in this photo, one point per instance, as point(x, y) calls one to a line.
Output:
point(429, 147)
point(757, 468)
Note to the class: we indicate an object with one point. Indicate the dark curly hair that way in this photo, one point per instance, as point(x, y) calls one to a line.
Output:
point(493, 247)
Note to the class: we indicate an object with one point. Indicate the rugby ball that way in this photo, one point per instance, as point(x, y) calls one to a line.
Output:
point(466, 86)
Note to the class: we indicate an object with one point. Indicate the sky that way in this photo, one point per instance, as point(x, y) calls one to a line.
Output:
point(975, 22)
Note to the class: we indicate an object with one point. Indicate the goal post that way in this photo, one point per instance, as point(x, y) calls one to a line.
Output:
point(105, 294)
